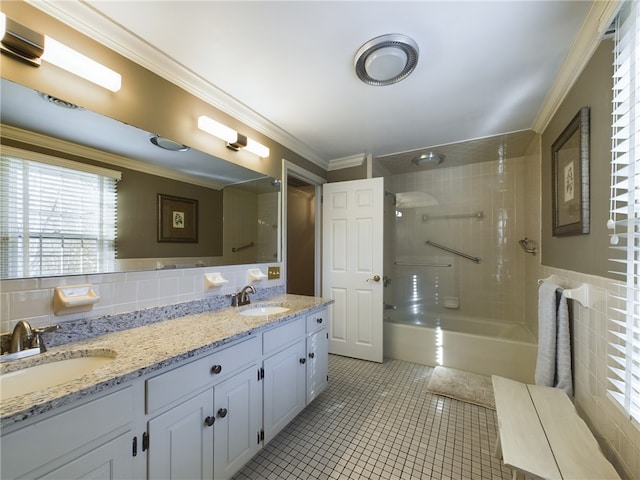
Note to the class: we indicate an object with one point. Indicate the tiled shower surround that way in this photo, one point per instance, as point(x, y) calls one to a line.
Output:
point(494, 190)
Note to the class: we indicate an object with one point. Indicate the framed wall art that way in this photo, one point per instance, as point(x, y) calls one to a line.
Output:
point(177, 219)
point(570, 176)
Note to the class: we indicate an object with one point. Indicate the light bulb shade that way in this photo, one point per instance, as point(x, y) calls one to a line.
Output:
point(257, 148)
point(68, 59)
point(217, 129)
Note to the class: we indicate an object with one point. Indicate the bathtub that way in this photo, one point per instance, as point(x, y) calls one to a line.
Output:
point(478, 346)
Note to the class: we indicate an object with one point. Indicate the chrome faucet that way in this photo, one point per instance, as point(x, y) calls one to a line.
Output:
point(21, 337)
point(242, 297)
point(24, 337)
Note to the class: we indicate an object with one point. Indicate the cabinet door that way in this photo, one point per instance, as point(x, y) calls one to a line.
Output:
point(317, 363)
point(238, 409)
point(284, 387)
point(181, 441)
point(111, 461)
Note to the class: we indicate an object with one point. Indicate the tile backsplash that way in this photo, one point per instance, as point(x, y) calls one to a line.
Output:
point(31, 299)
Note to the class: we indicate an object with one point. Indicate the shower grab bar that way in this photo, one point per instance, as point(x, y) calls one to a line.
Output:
point(403, 264)
point(455, 252)
point(237, 249)
point(479, 215)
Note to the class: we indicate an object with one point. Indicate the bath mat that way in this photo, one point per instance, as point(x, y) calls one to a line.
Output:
point(463, 386)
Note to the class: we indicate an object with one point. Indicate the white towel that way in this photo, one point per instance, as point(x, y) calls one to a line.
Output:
point(563, 378)
point(547, 316)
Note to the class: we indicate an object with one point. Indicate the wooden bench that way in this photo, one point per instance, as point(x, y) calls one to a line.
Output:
point(542, 436)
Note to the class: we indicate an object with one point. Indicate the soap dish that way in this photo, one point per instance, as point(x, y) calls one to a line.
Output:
point(74, 299)
point(213, 280)
point(255, 275)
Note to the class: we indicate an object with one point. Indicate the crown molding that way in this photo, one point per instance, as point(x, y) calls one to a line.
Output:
point(593, 29)
point(346, 162)
point(69, 148)
point(82, 17)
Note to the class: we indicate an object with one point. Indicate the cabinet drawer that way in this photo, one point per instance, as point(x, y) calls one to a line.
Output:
point(273, 340)
point(68, 432)
point(317, 320)
point(179, 382)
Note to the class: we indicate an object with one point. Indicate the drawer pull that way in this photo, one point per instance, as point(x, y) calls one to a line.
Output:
point(303, 360)
point(222, 412)
point(319, 320)
point(216, 369)
point(209, 421)
point(312, 355)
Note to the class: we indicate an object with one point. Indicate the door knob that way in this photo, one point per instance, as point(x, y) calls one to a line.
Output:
point(375, 278)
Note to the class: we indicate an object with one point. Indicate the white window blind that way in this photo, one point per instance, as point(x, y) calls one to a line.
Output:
point(55, 220)
point(624, 323)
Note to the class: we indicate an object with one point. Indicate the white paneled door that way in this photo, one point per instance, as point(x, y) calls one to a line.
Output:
point(352, 241)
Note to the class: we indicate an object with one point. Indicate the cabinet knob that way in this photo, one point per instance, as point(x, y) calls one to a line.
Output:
point(303, 360)
point(222, 412)
point(216, 369)
point(312, 355)
point(319, 320)
point(209, 421)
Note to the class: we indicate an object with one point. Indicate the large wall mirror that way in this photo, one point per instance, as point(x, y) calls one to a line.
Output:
point(236, 210)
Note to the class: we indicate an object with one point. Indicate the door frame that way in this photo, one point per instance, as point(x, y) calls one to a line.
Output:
point(296, 171)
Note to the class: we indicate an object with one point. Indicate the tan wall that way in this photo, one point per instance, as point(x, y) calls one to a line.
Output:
point(347, 174)
point(145, 100)
point(583, 253)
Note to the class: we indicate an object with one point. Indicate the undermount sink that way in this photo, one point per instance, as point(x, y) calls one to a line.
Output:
point(55, 371)
point(260, 310)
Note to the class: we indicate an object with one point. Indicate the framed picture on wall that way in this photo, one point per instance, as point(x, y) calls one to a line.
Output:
point(177, 219)
point(570, 176)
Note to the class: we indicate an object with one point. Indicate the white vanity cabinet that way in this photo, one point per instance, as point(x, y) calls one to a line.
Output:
point(284, 365)
point(92, 440)
point(238, 424)
point(181, 440)
point(296, 363)
point(201, 418)
point(209, 415)
point(317, 354)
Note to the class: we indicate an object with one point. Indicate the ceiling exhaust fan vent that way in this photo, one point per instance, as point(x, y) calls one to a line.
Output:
point(386, 59)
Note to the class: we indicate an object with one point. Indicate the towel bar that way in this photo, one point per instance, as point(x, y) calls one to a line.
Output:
point(586, 294)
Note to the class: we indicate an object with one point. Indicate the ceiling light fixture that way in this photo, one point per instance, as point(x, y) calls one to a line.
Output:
point(31, 47)
point(234, 140)
point(430, 159)
point(386, 59)
point(167, 144)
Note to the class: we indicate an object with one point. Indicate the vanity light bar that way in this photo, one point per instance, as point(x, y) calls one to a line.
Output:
point(217, 129)
point(68, 59)
point(234, 140)
point(31, 47)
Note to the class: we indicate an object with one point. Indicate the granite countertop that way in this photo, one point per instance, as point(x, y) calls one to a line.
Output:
point(141, 350)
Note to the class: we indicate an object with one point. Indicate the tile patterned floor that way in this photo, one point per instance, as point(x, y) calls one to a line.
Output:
point(376, 421)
